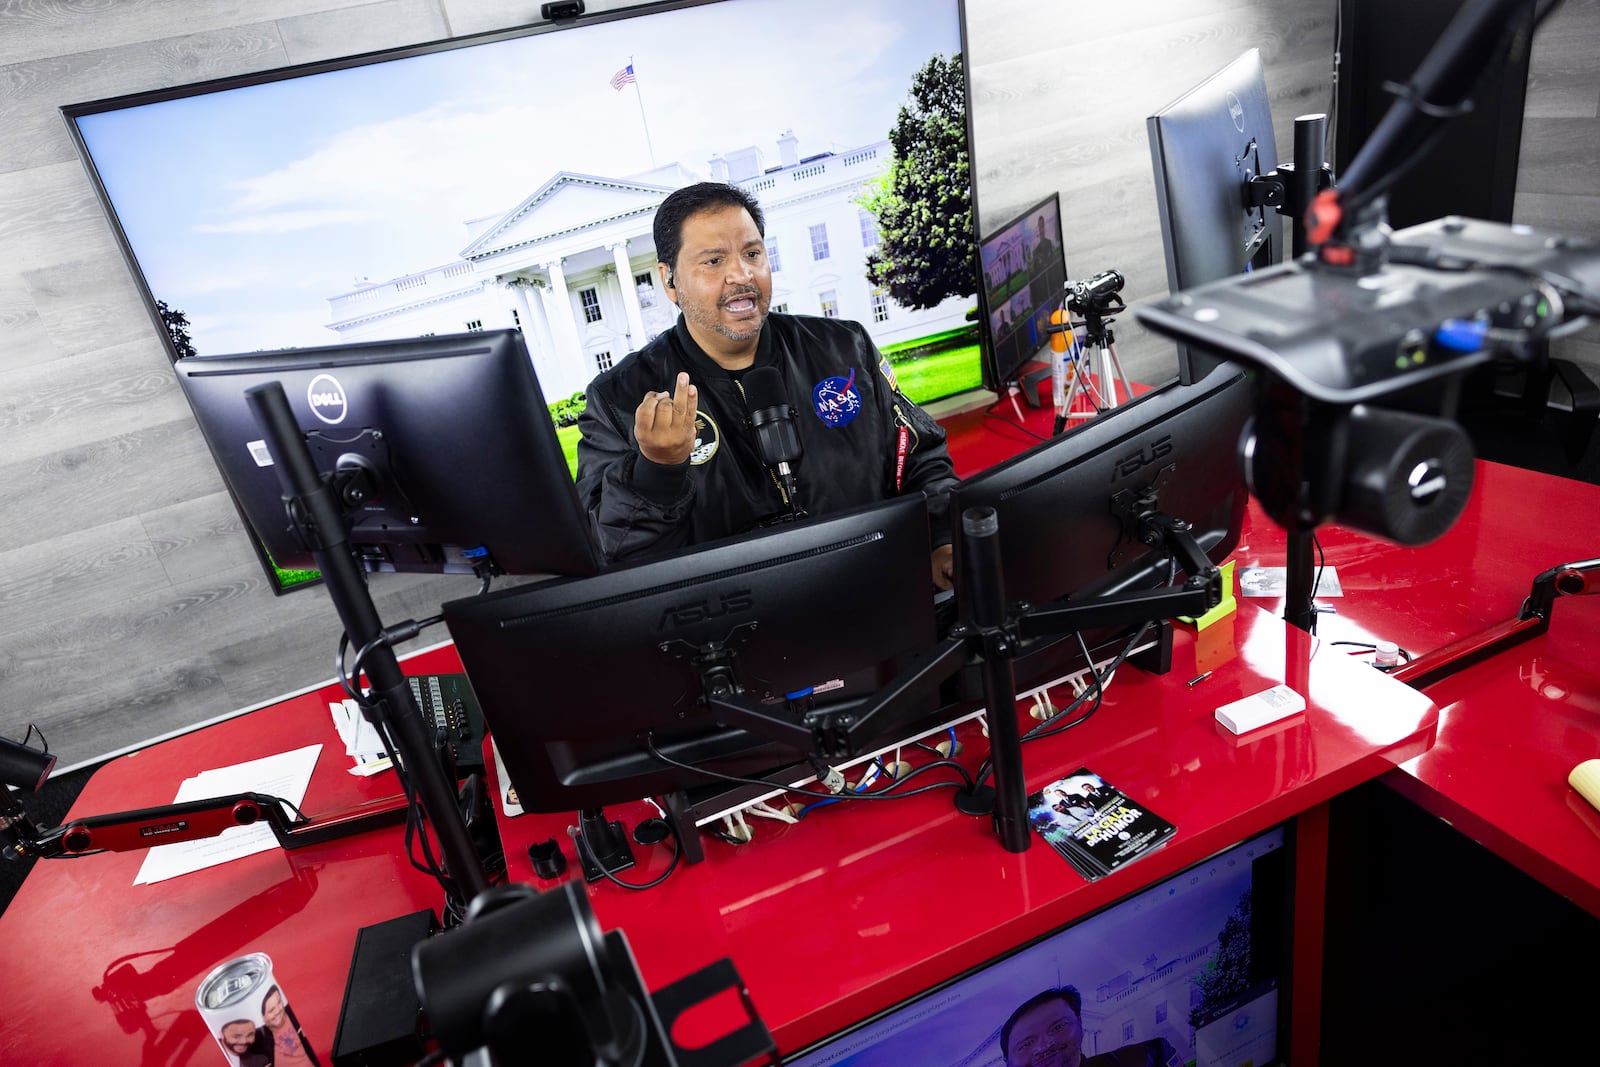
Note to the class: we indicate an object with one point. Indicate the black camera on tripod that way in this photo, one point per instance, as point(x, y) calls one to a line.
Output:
point(1097, 294)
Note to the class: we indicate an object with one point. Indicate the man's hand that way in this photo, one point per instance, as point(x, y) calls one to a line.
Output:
point(663, 424)
point(944, 566)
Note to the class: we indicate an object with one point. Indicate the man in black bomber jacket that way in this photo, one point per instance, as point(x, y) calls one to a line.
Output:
point(668, 457)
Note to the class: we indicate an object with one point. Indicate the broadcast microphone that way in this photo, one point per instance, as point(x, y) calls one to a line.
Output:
point(777, 433)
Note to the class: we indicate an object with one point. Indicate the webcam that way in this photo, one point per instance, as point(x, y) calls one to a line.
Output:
point(566, 9)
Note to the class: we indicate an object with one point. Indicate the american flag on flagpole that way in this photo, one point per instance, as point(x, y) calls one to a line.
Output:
point(622, 77)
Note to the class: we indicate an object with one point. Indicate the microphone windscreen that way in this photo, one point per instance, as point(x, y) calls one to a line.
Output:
point(763, 388)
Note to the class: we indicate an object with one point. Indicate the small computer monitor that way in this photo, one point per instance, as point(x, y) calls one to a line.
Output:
point(1068, 508)
point(1194, 969)
point(1024, 277)
point(1206, 146)
point(579, 678)
point(442, 448)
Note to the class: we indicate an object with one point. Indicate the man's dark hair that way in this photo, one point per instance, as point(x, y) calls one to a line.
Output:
point(1069, 995)
point(268, 996)
point(675, 209)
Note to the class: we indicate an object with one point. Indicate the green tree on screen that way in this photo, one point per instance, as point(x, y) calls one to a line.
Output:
point(923, 203)
point(177, 324)
point(1227, 974)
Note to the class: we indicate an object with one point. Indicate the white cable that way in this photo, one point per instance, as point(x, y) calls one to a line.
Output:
point(765, 811)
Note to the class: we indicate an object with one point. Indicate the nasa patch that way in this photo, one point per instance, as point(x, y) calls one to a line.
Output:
point(707, 439)
point(837, 400)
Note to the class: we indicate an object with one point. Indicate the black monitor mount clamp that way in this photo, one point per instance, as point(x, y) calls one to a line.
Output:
point(990, 634)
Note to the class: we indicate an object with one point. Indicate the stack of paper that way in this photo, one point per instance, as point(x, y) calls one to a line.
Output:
point(360, 737)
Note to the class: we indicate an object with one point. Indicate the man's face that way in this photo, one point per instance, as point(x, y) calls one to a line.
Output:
point(1047, 1035)
point(722, 282)
point(272, 1011)
point(239, 1036)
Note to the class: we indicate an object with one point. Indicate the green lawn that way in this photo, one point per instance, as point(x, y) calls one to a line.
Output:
point(568, 436)
point(946, 373)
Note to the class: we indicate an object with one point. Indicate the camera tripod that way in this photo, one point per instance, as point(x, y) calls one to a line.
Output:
point(1096, 371)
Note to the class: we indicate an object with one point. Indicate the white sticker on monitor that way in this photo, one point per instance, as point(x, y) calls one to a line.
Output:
point(259, 453)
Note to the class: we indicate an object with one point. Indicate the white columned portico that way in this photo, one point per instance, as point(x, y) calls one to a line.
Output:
point(564, 328)
point(536, 329)
point(630, 294)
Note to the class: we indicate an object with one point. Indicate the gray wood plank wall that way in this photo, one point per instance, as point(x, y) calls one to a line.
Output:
point(131, 605)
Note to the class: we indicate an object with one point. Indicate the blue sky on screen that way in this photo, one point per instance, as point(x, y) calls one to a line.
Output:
point(248, 209)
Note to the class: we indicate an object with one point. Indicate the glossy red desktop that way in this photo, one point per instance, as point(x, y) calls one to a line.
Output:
point(861, 906)
point(1528, 715)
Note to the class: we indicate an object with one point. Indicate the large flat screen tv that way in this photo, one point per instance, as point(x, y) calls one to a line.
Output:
point(1193, 970)
point(509, 180)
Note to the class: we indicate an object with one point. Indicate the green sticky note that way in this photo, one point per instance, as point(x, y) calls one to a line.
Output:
point(1225, 608)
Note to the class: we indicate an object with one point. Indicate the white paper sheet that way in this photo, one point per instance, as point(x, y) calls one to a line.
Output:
point(285, 775)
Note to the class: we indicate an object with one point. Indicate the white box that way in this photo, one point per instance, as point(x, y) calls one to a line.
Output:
point(1261, 709)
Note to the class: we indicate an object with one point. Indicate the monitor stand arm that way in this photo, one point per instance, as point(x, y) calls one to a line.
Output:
point(318, 511)
point(1569, 579)
point(1000, 635)
point(1291, 188)
point(990, 635)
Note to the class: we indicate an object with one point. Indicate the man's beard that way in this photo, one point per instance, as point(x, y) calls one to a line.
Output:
point(711, 319)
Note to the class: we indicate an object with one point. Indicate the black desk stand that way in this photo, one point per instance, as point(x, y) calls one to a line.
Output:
point(316, 510)
point(990, 634)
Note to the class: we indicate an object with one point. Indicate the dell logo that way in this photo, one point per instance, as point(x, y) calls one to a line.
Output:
point(1236, 112)
point(706, 610)
point(327, 399)
point(1130, 464)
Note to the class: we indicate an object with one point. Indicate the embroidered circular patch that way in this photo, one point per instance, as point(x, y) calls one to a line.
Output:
point(838, 401)
point(707, 438)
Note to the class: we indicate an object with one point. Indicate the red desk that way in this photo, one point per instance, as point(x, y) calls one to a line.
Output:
point(878, 886)
point(1527, 716)
point(97, 970)
point(861, 906)
point(902, 898)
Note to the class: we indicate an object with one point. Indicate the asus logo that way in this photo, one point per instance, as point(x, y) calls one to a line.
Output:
point(1132, 463)
point(705, 610)
point(159, 828)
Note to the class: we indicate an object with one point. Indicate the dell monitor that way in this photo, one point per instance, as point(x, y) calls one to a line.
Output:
point(441, 449)
point(1069, 508)
point(583, 681)
point(1206, 147)
point(1024, 277)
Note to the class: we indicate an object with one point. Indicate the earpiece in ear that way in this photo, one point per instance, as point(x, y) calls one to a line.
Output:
point(670, 280)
